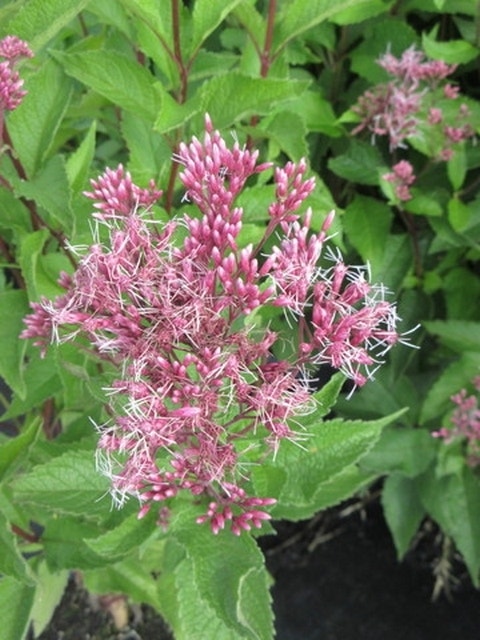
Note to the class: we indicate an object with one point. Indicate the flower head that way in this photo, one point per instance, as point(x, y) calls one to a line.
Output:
point(402, 176)
point(198, 396)
point(12, 49)
point(406, 106)
point(465, 423)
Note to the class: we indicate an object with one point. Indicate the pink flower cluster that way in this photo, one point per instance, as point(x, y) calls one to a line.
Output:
point(402, 176)
point(12, 49)
point(397, 108)
point(465, 422)
point(198, 396)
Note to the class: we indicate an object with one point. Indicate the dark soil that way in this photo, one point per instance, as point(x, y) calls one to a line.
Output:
point(336, 578)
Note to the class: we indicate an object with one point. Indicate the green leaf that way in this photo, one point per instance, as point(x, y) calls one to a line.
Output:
point(116, 77)
point(451, 51)
point(459, 214)
point(455, 377)
point(288, 131)
point(14, 450)
point(13, 308)
point(33, 126)
point(317, 113)
point(237, 605)
point(359, 12)
point(459, 336)
point(406, 451)
point(380, 397)
point(325, 399)
point(232, 97)
point(461, 306)
point(335, 446)
point(39, 21)
point(331, 493)
point(50, 190)
point(251, 20)
point(454, 502)
point(367, 223)
point(206, 16)
point(65, 546)
point(361, 163)
point(397, 260)
point(30, 251)
point(114, 14)
point(403, 510)
point(129, 535)
point(298, 16)
point(12, 562)
point(457, 168)
point(79, 163)
point(174, 115)
point(14, 214)
point(425, 203)
point(41, 383)
point(69, 483)
point(150, 155)
point(48, 594)
point(16, 601)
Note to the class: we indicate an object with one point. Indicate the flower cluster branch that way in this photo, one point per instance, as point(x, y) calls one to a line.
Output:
point(198, 396)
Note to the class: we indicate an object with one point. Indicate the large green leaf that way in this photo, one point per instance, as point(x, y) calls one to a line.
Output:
point(408, 451)
point(149, 153)
point(116, 77)
point(65, 546)
point(38, 21)
point(362, 163)
point(229, 98)
point(454, 502)
point(452, 52)
point(207, 15)
point(30, 259)
point(382, 396)
point(69, 483)
point(127, 536)
point(298, 16)
point(12, 562)
point(16, 602)
point(78, 165)
point(48, 594)
point(287, 130)
point(459, 336)
point(403, 510)
point(34, 124)
point(49, 188)
point(331, 450)
point(220, 587)
point(41, 382)
point(14, 450)
point(397, 259)
point(13, 308)
point(367, 223)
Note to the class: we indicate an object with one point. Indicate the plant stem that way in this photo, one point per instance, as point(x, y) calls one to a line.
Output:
point(412, 232)
point(265, 58)
point(16, 272)
point(25, 535)
point(177, 49)
point(36, 220)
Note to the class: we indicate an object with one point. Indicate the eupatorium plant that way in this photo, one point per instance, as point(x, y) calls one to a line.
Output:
point(198, 396)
